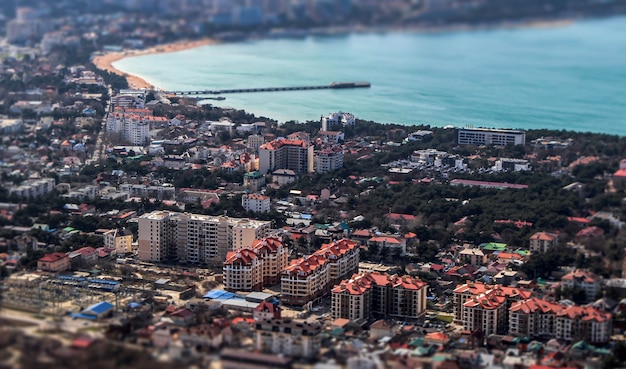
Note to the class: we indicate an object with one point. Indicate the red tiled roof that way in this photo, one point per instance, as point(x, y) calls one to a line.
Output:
point(535, 304)
point(580, 274)
point(397, 216)
point(544, 236)
point(51, 258)
point(584, 313)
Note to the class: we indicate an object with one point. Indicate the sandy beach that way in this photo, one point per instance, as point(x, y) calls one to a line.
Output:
point(105, 62)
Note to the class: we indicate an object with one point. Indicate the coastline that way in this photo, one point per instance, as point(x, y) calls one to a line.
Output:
point(105, 61)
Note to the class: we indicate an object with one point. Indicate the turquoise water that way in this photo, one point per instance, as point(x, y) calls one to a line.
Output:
point(571, 77)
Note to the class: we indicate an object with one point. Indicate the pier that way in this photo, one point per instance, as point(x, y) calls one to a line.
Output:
point(333, 85)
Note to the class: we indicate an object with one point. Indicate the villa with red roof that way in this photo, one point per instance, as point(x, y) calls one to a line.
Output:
point(388, 241)
point(543, 241)
point(310, 277)
point(381, 295)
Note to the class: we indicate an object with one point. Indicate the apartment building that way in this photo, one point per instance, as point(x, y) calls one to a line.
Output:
point(195, 238)
point(295, 338)
point(589, 282)
point(33, 188)
point(486, 136)
point(543, 241)
point(256, 203)
point(337, 119)
point(328, 160)
point(160, 192)
point(483, 300)
point(130, 127)
point(255, 267)
point(472, 256)
point(296, 155)
point(540, 318)
point(374, 294)
point(310, 277)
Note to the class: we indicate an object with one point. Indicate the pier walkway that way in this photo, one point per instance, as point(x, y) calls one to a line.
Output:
point(333, 85)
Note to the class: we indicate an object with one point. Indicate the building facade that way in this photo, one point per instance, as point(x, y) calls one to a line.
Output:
point(195, 238)
point(485, 136)
point(33, 188)
point(310, 277)
point(374, 294)
point(55, 262)
point(589, 282)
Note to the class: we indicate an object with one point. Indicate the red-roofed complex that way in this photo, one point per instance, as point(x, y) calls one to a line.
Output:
point(585, 280)
point(296, 155)
point(308, 278)
point(252, 268)
point(485, 297)
point(55, 262)
point(381, 295)
point(543, 241)
point(539, 318)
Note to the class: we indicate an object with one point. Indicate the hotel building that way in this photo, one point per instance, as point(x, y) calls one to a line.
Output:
point(374, 294)
point(255, 267)
point(310, 277)
point(195, 238)
point(485, 136)
point(296, 155)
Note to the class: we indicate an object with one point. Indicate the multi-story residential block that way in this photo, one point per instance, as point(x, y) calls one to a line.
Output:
point(376, 294)
point(491, 301)
point(589, 282)
point(540, 318)
point(195, 238)
point(55, 262)
point(296, 155)
point(310, 277)
point(328, 159)
point(533, 318)
point(543, 241)
point(486, 312)
point(256, 203)
point(33, 188)
point(296, 338)
point(255, 267)
point(486, 136)
point(254, 142)
point(161, 192)
point(576, 323)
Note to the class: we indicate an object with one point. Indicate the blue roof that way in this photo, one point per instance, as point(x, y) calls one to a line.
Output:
point(99, 308)
point(221, 295)
point(83, 316)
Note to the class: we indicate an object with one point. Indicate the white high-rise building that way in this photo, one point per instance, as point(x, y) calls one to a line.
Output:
point(195, 238)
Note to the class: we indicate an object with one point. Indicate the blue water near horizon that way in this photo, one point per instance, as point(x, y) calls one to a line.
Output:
point(571, 77)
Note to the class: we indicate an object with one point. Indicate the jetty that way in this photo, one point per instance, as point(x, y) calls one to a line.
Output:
point(333, 85)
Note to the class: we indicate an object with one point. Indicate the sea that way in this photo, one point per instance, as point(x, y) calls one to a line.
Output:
point(568, 76)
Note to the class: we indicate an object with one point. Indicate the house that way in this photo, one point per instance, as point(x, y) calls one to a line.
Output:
point(472, 256)
point(400, 220)
point(182, 317)
point(382, 328)
point(390, 242)
point(55, 262)
point(266, 310)
point(589, 233)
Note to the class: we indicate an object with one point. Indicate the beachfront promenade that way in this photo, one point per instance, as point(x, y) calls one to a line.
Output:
point(333, 85)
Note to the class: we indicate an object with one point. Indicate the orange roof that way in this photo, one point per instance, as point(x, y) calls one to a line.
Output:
point(581, 275)
point(243, 256)
point(584, 313)
point(330, 251)
point(535, 305)
point(489, 300)
point(437, 336)
point(544, 236)
point(481, 288)
point(361, 282)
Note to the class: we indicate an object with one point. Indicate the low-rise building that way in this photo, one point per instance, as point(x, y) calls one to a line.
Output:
point(543, 241)
point(55, 262)
point(256, 203)
point(472, 256)
point(295, 338)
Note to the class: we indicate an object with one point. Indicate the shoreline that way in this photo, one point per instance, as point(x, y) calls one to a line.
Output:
point(105, 61)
